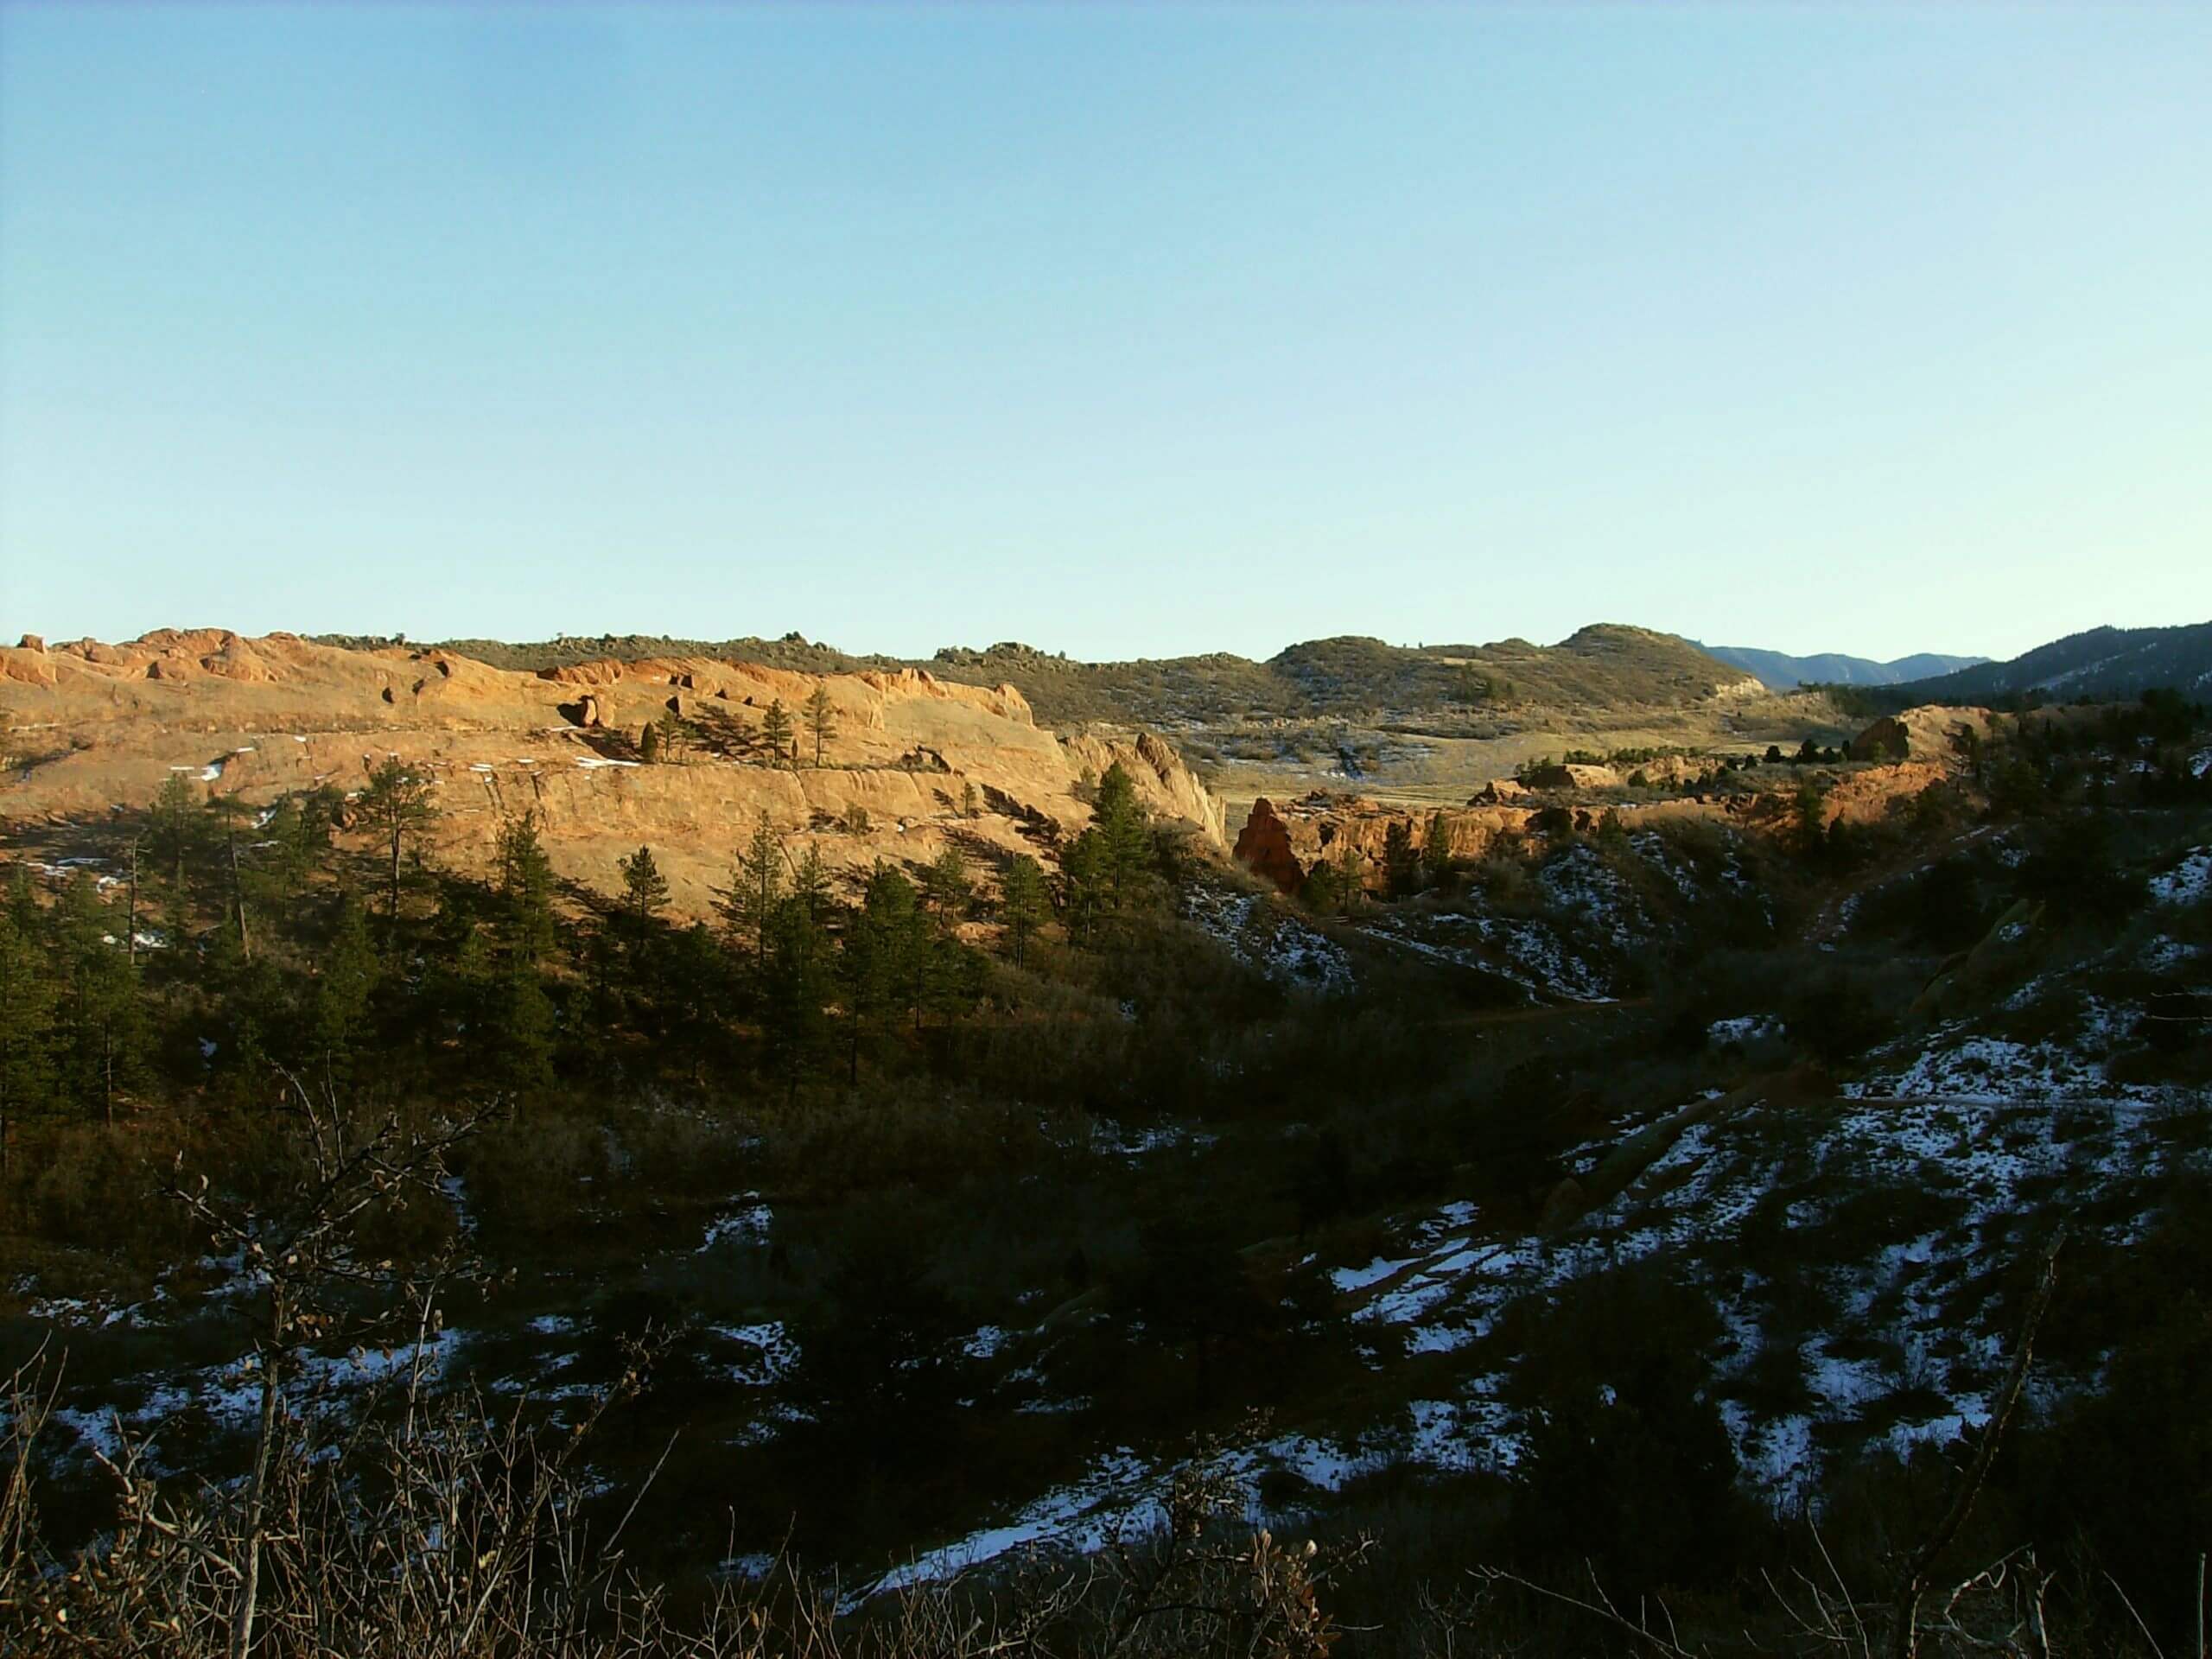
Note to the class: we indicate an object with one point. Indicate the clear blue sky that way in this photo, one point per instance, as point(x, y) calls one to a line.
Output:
point(1121, 331)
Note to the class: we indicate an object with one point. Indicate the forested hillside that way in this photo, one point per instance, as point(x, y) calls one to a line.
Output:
point(1047, 1249)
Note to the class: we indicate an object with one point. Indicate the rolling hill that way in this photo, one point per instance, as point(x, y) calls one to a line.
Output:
point(1603, 667)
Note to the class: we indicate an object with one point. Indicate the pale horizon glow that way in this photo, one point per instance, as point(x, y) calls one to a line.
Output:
point(1123, 331)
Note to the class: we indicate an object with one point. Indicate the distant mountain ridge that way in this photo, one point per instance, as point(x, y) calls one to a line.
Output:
point(2101, 662)
point(1782, 673)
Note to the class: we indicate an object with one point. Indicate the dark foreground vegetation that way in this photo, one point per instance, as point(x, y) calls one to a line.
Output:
point(398, 1262)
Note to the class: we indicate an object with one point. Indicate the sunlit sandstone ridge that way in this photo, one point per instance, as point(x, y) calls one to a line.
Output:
point(87, 726)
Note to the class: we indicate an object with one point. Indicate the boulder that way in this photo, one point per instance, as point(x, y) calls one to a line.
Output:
point(235, 662)
point(26, 667)
point(1574, 775)
point(31, 642)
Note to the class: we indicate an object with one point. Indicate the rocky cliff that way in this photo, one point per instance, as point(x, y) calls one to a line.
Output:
point(911, 764)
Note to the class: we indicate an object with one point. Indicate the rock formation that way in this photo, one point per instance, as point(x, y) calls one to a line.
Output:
point(1572, 775)
point(1929, 733)
point(260, 718)
point(1284, 841)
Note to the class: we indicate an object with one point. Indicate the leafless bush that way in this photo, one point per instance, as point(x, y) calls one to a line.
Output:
point(429, 1525)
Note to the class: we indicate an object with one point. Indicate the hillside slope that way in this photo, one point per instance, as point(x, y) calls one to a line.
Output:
point(2101, 662)
point(1427, 723)
point(1605, 666)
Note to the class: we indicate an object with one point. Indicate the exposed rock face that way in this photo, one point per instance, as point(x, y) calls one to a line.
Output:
point(26, 667)
point(1669, 769)
point(599, 673)
point(1162, 781)
point(1285, 842)
point(262, 717)
point(1931, 732)
point(1574, 775)
point(1264, 846)
point(1499, 791)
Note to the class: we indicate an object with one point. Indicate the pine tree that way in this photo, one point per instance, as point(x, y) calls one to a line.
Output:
point(1811, 812)
point(174, 826)
point(1125, 837)
point(1352, 880)
point(281, 875)
point(105, 1014)
point(395, 805)
point(868, 965)
point(756, 884)
point(1401, 862)
point(799, 982)
point(24, 907)
point(345, 984)
point(913, 962)
point(1083, 868)
point(525, 1026)
point(1436, 852)
point(776, 731)
point(26, 1029)
point(821, 719)
point(693, 985)
point(949, 886)
point(1023, 903)
point(644, 889)
point(526, 923)
point(1322, 890)
point(649, 744)
point(811, 883)
point(226, 810)
point(299, 831)
point(968, 799)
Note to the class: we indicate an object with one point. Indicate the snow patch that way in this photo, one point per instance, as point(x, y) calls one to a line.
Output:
point(2188, 882)
point(749, 1223)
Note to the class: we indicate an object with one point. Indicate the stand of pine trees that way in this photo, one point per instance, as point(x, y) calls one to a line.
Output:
point(319, 939)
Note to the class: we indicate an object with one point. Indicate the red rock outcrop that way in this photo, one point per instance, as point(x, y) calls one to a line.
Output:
point(1263, 847)
point(1283, 842)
